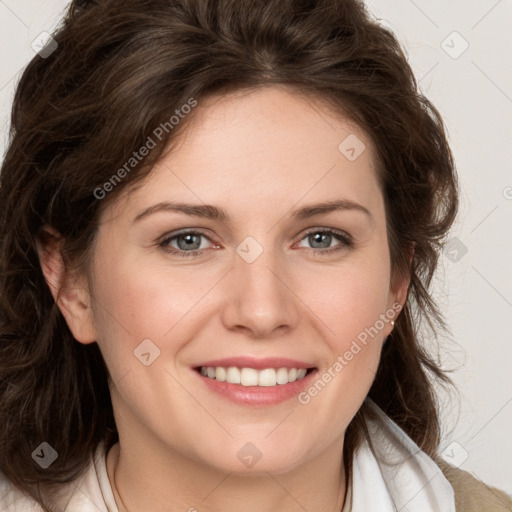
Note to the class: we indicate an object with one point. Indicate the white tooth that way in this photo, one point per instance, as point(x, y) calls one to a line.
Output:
point(282, 376)
point(233, 375)
point(267, 377)
point(249, 377)
point(220, 373)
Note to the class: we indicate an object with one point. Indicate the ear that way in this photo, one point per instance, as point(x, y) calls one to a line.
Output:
point(399, 290)
point(71, 294)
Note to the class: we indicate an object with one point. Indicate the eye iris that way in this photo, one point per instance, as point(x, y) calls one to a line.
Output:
point(189, 241)
point(319, 237)
point(186, 241)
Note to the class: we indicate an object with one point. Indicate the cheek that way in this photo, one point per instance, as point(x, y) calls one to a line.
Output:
point(137, 302)
point(348, 298)
point(351, 310)
point(351, 300)
point(134, 323)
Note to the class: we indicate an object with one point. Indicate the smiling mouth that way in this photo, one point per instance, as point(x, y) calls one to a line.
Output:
point(266, 377)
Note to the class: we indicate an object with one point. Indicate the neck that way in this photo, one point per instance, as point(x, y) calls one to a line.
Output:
point(174, 483)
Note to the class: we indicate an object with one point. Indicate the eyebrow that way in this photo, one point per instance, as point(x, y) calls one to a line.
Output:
point(208, 211)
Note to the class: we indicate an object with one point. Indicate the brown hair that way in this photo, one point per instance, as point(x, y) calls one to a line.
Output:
point(120, 70)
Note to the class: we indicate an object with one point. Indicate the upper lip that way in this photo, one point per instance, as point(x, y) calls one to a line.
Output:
point(256, 363)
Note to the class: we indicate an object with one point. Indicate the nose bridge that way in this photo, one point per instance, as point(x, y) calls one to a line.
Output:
point(260, 299)
point(256, 267)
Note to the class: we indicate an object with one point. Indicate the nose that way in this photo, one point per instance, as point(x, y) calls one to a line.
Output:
point(260, 298)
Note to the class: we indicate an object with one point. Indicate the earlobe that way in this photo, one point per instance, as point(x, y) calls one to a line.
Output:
point(69, 293)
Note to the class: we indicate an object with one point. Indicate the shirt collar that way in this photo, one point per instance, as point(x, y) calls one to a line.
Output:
point(391, 473)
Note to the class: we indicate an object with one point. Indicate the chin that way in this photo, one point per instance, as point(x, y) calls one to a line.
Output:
point(253, 459)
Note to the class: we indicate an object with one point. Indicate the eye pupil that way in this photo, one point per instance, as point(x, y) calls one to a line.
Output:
point(189, 242)
point(318, 237)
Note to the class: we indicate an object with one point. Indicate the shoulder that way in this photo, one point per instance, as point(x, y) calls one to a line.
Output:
point(89, 492)
point(14, 500)
point(467, 493)
point(471, 494)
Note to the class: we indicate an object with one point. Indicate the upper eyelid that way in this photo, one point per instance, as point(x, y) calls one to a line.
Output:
point(185, 231)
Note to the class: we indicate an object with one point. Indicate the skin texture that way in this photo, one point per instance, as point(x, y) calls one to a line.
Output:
point(260, 155)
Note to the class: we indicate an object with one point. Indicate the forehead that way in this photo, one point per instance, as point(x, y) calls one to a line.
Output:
point(263, 149)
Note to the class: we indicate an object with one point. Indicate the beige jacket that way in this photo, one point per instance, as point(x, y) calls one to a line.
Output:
point(471, 494)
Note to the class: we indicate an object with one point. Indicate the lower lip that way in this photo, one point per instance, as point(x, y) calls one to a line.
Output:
point(257, 395)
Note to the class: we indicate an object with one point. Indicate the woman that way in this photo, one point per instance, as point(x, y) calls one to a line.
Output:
point(173, 338)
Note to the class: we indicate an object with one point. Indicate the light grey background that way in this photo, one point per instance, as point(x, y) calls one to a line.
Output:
point(472, 88)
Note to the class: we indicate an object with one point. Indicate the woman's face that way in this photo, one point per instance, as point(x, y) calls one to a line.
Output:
point(254, 286)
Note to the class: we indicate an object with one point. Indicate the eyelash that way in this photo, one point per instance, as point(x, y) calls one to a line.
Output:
point(347, 242)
